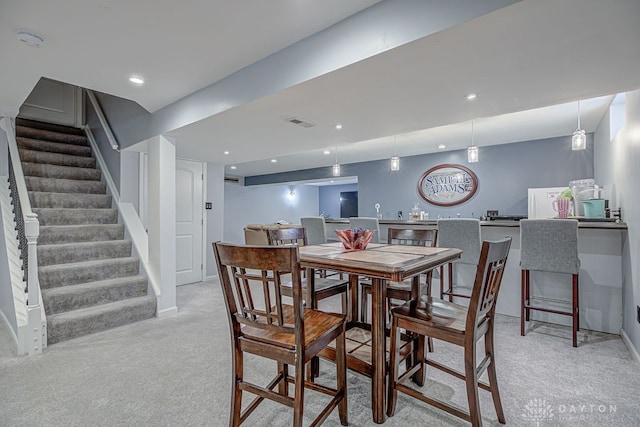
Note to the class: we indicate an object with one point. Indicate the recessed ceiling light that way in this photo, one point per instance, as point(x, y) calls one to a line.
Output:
point(332, 181)
point(30, 38)
point(226, 153)
point(233, 167)
point(136, 80)
point(442, 146)
point(327, 152)
point(471, 96)
point(274, 160)
point(338, 126)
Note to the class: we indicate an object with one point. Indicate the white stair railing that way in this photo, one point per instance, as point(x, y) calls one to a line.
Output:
point(28, 230)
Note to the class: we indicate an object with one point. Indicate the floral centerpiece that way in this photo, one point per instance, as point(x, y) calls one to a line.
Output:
point(355, 239)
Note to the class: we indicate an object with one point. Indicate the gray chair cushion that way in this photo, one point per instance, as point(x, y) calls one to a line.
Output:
point(316, 229)
point(549, 245)
point(368, 223)
point(461, 233)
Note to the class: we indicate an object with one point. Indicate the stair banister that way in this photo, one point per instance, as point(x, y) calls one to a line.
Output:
point(103, 120)
point(36, 337)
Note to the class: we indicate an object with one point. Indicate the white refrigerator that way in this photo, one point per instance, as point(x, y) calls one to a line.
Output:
point(540, 202)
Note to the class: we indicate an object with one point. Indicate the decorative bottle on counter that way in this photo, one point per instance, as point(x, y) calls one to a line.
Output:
point(415, 211)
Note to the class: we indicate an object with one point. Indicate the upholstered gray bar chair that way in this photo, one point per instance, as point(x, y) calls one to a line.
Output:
point(367, 223)
point(464, 234)
point(316, 229)
point(549, 245)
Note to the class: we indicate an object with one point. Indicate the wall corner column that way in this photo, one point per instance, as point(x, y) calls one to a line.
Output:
point(162, 220)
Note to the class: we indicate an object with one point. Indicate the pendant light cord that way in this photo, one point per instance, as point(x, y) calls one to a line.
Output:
point(578, 114)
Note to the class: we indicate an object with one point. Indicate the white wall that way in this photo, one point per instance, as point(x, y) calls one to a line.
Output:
point(265, 204)
point(619, 159)
point(215, 217)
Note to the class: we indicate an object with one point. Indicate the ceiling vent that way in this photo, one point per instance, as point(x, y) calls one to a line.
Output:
point(232, 179)
point(299, 122)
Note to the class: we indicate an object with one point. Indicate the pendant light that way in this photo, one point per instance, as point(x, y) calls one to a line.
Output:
point(579, 138)
point(335, 171)
point(395, 160)
point(472, 151)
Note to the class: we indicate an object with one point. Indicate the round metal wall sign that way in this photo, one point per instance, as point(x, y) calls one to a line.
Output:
point(447, 185)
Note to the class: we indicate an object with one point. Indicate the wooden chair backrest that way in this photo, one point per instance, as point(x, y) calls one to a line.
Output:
point(412, 237)
point(493, 259)
point(288, 237)
point(250, 280)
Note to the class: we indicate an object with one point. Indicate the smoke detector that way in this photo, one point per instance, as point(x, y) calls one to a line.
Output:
point(30, 38)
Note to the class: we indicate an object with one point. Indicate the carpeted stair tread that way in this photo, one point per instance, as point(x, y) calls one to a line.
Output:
point(35, 156)
point(52, 234)
point(89, 280)
point(62, 172)
point(65, 253)
point(61, 216)
point(53, 147)
point(76, 323)
point(65, 298)
point(50, 135)
point(60, 185)
point(35, 124)
point(65, 200)
point(53, 276)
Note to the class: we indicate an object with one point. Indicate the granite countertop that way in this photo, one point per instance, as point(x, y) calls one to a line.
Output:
point(581, 224)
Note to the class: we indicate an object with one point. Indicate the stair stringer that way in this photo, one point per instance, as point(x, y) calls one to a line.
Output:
point(134, 229)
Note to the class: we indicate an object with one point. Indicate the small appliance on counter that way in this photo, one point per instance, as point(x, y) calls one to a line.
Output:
point(582, 190)
point(593, 208)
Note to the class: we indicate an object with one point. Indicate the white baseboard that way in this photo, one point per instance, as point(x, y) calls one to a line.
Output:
point(171, 311)
point(629, 345)
point(209, 278)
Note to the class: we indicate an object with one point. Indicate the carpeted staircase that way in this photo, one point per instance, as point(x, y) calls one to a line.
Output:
point(89, 280)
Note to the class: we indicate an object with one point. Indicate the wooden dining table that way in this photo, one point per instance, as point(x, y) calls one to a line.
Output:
point(382, 263)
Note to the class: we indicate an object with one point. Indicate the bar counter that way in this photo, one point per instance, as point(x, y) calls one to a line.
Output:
point(600, 248)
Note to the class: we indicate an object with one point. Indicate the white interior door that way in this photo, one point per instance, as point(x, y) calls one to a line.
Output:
point(189, 221)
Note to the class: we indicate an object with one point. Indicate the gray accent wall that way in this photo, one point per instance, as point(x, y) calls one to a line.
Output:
point(504, 172)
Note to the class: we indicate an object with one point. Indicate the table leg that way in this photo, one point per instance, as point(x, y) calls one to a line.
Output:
point(378, 348)
point(353, 298)
point(313, 367)
point(418, 344)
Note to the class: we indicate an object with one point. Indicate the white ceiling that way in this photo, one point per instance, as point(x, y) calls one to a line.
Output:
point(529, 63)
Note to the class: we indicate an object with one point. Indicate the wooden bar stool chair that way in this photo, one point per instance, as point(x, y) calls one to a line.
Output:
point(263, 325)
point(463, 234)
point(549, 245)
point(459, 325)
point(324, 287)
point(316, 230)
point(401, 290)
